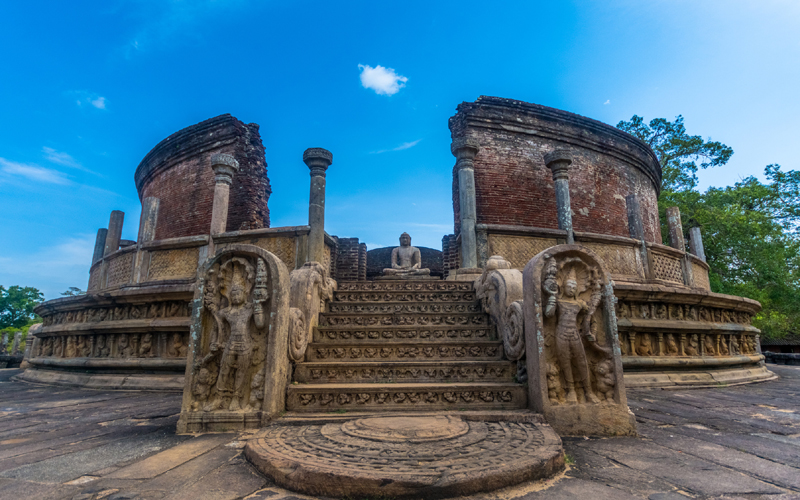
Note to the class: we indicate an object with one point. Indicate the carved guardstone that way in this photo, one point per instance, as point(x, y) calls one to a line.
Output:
point(237, 367)
point(574, 361)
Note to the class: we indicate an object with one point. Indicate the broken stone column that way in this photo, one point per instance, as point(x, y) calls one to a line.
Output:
point(114, 232)
point(558, 162)
point(15, 346)
point(636, 227)
point(696, 243)
point(318, 160)
point(675, 229)
point(4, 343)
point(572, 344)
point(224, 167)
point(99, 244)
point(147, 224)
point(465, 150)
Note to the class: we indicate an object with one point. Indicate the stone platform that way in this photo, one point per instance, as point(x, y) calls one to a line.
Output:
point(64, 443)
point(408, 456)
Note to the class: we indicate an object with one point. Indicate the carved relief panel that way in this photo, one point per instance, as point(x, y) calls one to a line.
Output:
point(574, 364)
point(237, 368)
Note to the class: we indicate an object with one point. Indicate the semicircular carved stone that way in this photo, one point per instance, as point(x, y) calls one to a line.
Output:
point(572, 344)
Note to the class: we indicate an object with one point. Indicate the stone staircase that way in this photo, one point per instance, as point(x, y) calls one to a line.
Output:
point(404, 346)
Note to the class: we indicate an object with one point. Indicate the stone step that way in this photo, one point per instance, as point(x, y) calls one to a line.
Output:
point(380, 334)
point(360, 296)
point(411, 371)
point(403, 319)
point(404, 286)
point(396, 351)
point(405, 397)
point(405, 307)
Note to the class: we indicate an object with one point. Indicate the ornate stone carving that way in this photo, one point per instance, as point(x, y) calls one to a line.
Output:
point(498, 288)
point(311, 290)
point(237, 370)
point(572, 345)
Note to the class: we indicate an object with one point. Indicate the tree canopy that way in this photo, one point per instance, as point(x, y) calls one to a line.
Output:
point(16, 305)
point(751, 230)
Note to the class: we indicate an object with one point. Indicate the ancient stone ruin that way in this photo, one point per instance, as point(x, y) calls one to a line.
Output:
point(553, 294)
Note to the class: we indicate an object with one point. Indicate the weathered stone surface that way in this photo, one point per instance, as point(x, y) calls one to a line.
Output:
point(428, 456)
point(574, 363)
point(237, 369)
point(176, 171)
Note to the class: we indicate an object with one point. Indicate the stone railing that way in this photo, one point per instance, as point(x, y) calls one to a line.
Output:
point(628, 260)
point(176, 260)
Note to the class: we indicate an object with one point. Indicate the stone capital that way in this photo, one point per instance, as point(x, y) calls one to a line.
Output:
point(558, 162)
point(464, 148)
point(224, 166)
point(318, 160)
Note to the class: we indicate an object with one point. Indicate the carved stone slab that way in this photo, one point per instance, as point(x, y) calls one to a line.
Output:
point(431, 456)
point(574, 362)
point(238, 362)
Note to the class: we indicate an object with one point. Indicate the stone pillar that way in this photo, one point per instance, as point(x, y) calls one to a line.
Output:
point(147, 224)
point(675, 229)
point(4, 343)
point(15, 346)
point(99, 244)
point(224, 167)
point(465, 150)
point(558, 162)
point(696, 243)
point(318, 160)
point(114, 232)
point(635, 225)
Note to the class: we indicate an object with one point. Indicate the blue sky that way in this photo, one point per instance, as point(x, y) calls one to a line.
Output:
point(90, 87)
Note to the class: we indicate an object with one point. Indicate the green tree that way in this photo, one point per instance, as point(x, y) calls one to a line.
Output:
point(16, 305)
point(679, 153)
point(73, 291)
point(751, 230)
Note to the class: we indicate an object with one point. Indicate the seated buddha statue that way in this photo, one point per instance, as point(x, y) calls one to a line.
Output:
point(406, 260)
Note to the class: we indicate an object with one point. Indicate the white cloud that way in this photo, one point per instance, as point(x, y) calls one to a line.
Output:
point(384, 81)
point(608, 101)
point(32, 172)
point(99, 103)
point(89, 98)
point(59, 157)
point(405, 145)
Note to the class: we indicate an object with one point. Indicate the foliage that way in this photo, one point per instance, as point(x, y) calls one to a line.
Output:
point(16, 305)
point(24, 329)
point(751, 230)
point(73, 291)
point(677, 151)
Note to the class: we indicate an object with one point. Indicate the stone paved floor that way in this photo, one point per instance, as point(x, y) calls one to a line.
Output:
point(62, 443)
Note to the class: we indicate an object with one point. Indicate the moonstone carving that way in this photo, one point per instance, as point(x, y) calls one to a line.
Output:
point(573, 354)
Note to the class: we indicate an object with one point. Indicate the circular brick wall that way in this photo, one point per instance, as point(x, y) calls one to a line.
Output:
point(514, 187)
point(178, 172)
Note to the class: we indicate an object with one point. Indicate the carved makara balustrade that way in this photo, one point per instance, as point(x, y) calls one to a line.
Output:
point(310, 291)
point(237, 370)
